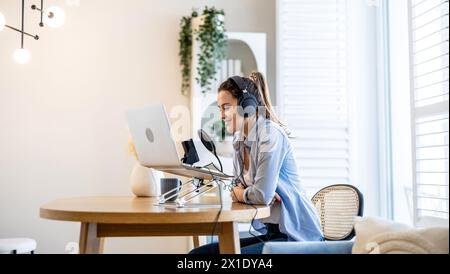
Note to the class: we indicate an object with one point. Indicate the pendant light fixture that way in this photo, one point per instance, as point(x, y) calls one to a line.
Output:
point(53, 17)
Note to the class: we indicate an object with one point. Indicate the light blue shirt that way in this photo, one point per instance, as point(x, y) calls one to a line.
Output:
point(273, 168)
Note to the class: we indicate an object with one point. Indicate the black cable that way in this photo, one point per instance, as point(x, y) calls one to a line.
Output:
point(220, 162)
point(212, 163)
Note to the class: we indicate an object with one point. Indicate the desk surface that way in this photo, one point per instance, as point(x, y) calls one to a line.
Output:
point(133, 210)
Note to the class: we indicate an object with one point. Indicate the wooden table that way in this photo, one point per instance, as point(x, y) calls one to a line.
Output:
point(102, 217)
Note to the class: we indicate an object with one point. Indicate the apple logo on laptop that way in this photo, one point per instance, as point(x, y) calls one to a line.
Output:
point(149, 134)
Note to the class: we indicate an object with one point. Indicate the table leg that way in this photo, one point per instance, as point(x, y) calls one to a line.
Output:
point(89, 242)
point(229, 239)
point(196, 241)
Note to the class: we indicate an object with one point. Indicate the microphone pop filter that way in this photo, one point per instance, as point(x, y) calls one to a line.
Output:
point(207, 141)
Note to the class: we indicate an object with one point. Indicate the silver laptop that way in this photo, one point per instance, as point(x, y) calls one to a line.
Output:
point(155, 147)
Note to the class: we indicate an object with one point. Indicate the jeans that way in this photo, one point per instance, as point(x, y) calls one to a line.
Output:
point(252, 245)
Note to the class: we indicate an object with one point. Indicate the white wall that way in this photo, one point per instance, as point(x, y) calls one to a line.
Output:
point(62, 126)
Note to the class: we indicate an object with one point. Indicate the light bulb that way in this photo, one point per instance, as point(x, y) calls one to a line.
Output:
point(22, 56)
point(2, 21)
point(54, 17)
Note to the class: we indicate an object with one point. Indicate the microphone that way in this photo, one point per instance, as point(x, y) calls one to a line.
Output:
point(209, 144)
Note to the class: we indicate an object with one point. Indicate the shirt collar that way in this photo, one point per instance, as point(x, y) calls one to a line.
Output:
point(239, 139)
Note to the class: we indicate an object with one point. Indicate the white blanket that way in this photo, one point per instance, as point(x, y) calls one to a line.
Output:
point(379, 236)
point(407, 242)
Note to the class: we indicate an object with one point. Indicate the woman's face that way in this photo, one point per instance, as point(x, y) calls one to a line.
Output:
point(228, 111)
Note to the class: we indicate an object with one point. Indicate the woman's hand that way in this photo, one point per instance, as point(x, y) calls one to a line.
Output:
point(276, 199)
point(237, 193)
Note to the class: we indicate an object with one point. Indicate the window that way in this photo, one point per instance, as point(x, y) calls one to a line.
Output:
point(429, 28)
point(312, 89)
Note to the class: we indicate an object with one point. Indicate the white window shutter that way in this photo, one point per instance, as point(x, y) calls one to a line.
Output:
point(429, 28)
point(312, 53)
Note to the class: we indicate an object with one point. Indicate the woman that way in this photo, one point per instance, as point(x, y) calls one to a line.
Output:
point(264, 166)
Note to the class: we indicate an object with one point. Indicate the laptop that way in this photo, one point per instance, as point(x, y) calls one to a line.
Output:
point(155, 147)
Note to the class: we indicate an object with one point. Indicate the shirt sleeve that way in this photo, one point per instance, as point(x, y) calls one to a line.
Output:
point(270, 155)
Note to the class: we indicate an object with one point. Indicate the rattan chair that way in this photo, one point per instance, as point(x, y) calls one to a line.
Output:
point(338, 205)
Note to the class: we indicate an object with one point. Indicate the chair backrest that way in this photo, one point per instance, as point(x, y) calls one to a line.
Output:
point(338, 205)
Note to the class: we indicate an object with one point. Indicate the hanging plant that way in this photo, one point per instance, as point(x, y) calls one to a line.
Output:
point(185, 53)
point(213, 43)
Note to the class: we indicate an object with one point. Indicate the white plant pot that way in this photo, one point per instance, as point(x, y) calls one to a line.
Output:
point(145, 182)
